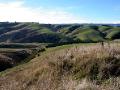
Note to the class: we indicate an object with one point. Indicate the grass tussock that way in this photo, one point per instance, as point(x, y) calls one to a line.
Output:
point(94, 67)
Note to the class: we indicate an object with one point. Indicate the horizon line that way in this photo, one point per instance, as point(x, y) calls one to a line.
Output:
point(53, 23)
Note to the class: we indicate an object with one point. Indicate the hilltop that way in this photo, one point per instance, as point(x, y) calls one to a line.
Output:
point(69, 67)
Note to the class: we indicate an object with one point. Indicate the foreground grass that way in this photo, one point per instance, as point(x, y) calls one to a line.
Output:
point(68, 67)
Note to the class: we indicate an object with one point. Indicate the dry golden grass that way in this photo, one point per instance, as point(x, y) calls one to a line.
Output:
point(93, 67)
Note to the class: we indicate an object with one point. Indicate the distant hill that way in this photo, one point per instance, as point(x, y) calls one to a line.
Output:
point(57, 33)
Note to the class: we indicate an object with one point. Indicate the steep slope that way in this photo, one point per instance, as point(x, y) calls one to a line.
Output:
point(12, 58)
point(15, 54)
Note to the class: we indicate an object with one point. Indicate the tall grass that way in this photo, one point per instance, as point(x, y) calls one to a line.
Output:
point(95, 67)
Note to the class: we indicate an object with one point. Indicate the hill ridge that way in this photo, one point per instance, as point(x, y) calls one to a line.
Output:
point(57, 33)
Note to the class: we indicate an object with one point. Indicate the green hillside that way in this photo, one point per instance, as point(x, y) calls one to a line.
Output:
point(56, 33)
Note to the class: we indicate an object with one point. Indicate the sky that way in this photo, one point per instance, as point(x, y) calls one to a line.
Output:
point(60, 11)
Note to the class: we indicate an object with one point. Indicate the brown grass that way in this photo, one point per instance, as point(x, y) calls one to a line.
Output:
point(78, 68)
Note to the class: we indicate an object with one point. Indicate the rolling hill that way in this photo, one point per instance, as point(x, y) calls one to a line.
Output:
point(57, 33)
point(28, 62)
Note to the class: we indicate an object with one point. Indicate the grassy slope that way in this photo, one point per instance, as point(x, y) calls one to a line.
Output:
point(66, 67)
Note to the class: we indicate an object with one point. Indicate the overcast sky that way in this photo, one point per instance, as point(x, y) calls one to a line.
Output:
point(60, 11)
